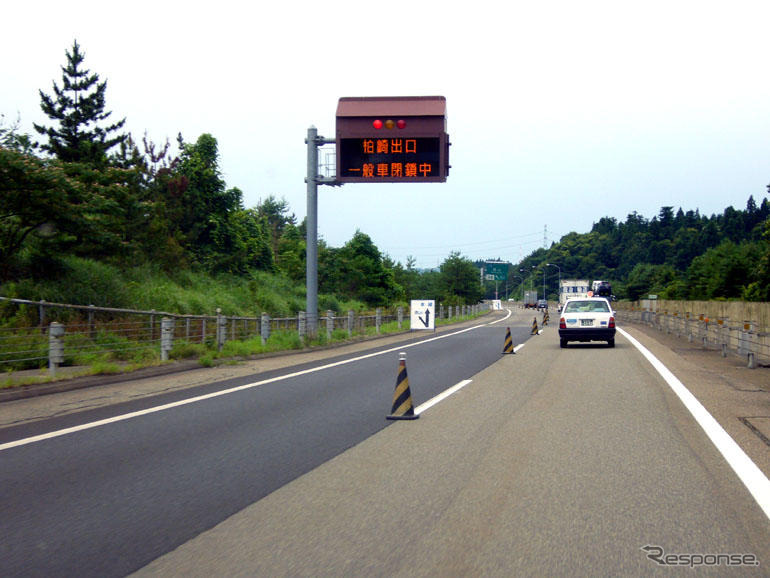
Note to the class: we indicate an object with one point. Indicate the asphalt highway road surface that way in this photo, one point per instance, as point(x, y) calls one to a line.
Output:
point(580, 461)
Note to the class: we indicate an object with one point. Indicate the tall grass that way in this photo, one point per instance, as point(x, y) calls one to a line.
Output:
point(85, 282)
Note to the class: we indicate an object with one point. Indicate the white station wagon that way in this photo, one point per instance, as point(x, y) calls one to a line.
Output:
point(587, 319)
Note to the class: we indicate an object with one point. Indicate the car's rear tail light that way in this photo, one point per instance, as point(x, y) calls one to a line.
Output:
point(563, 324)
point(612, 323)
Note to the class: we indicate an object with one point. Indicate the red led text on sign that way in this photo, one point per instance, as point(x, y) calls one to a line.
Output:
point(390, 158)
point(387, 146)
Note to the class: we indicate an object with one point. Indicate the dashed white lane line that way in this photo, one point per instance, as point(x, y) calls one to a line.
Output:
point(441, 396)
point(454, 389)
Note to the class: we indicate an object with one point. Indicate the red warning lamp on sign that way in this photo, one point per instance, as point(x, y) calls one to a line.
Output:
point(389, 124)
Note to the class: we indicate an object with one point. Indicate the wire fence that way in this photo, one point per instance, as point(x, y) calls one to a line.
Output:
point(743, 339)
point(36, 334)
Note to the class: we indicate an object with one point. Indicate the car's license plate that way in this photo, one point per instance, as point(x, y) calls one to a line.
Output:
point(586, 322)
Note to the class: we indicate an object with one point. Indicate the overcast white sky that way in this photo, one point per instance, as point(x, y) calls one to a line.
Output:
point(559, 113)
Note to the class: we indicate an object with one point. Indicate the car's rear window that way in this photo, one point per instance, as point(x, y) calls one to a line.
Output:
point(586, 307)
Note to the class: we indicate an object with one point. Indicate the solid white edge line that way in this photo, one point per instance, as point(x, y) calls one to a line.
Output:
point(510, 312)
point(441, 396)
point(748, 472)
point(85, 426)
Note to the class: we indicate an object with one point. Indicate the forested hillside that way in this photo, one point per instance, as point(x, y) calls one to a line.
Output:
point(676, 255)
point(91, 214)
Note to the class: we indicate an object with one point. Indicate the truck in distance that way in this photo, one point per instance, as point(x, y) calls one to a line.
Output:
point(571, 289)
point(530, 299)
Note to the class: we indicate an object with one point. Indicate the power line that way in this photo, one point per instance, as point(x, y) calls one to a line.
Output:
point(476, 254)
point(462, 245)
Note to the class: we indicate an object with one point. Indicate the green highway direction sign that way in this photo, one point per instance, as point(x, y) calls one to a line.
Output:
point(496, 271)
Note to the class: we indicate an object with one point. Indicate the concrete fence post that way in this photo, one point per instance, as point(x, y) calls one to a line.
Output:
point(742, 340)
point(378, 319)
point(55, 347)
point(302, 324)
point(329, 324)
point(400, 316)
point(351, 316)
point(166, 337)
point(264, 327)
point(751, 354)
point(221, 330)
point(722, 323)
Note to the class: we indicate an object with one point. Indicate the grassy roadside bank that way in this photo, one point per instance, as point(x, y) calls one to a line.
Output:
point(203, 355)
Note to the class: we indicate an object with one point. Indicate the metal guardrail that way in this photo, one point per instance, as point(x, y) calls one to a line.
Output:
point(76, 334)
point(743, 339)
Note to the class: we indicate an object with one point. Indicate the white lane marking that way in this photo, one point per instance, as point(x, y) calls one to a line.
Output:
point(117, 418)
point(441, 396)
point(748, 472)
point(454, 389)
point(510, 312)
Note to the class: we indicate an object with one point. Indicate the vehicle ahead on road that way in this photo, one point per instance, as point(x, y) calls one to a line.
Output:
point(587, 319)
point(542, 304)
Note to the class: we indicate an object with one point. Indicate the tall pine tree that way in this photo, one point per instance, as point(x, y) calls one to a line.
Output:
point(78, 110)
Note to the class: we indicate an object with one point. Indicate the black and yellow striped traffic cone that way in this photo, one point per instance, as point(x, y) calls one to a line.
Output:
point(535, 330)
point(508, 346)
point(402, 397)
point(546, 318)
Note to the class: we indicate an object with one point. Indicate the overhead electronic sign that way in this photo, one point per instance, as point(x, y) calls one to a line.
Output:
point(392, 139)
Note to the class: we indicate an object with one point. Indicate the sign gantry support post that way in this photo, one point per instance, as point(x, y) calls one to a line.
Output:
point(313, 179)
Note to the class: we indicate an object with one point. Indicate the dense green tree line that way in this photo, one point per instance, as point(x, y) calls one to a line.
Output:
point(88, 190)
point(675, 255)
